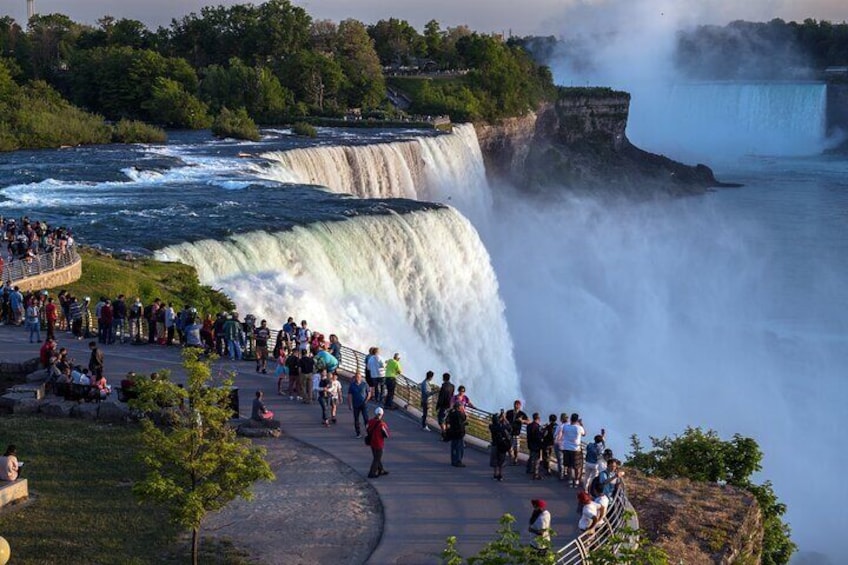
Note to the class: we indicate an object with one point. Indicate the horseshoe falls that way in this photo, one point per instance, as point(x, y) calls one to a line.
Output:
point(441, 168)
point(420, 283)
point(728, 119)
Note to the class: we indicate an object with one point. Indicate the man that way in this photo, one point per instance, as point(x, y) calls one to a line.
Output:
point(393, 370)
point(558, 448)
point(233, 335)
point(572, 434)
point(378, 432)
point(516, 419)
point(95, 362)
point(307, 369)
point(548, 434)
point(535, 435)
point(119, 319)
point(293, 366)
point(259, 412)
point(540, 525)
point(150, 314)
point(426, 393)
point(98, 309)
point(262, 334)
point(443, 402)
point(135, 319)
point(456, 422)
point(358, 395)
point(106, 319)
point(303, 337)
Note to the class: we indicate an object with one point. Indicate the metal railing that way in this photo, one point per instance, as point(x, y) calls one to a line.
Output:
point(18, 269)
point(575, 552)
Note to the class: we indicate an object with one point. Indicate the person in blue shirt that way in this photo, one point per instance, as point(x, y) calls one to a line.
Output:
point(358, 394)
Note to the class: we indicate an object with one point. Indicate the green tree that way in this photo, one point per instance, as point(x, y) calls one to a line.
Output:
point(505, 549)
point(396, 42)
point(315, 78)
point(364, 85)
point(196, 465)
point(172, 106)
point(704, 456)
point(52, 38)
point(236, 124)
point(256, 89)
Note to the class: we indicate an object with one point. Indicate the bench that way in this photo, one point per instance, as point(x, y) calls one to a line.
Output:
point(13, 491)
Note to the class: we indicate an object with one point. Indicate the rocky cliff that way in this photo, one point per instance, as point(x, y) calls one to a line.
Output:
point(698, 523)
point(580, 142)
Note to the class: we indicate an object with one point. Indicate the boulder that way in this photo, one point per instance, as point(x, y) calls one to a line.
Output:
point(259, 432)
point(38, 376)
point(264, 424)
point(35, 390)
point(57, 407)
point(113, 413)
point(87, 410)
point(26, 406)
point(10, 400)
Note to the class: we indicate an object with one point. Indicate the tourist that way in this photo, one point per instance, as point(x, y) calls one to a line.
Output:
point(281, 371)
point(443, 402)
point(358, 395)
point(335, 396)
point(192, 332)
point(324, 386)
point(95, 362)
point(589, 513)
point(259, 412)
point(610, 478)
point(293, 366)
point(377, 368)
point(119, 319)
point(136, 315)
point(558, 448)
point(393, 371)
point(16, 303)
point(51, 315)
point(377, 432)
point(462, 398)
point(548, 434)
point(307, 369)
point(570, 440)
point(455, 425)
point(10, 467)
point(97, 309)
point(335, 348)
point(33, 321)
point(303, 337)
point(500, 444)
point(534, 446)
point(516, 419)
point(594, 455)
point(106, 319)
point(87, 330)
point(47, 353)
point(315, 383)
point(262, 334)
point(150, 314)
point(101, 387)
point(170, 323)
point(426, 393)
point(540, 525)
point(233, 334)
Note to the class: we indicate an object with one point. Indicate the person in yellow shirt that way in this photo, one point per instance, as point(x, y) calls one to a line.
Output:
point(393, 370)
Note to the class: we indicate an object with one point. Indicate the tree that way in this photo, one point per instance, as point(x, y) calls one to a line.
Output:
point(256, 89)
point(396, 41)
point(196, 464)
point(364, 86)
point(704, 456)
point(505, 549)
point(172, 106)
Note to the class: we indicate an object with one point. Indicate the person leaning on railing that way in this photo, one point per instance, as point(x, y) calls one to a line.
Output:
point(427, 391)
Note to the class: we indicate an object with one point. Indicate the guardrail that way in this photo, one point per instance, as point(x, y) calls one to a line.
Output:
point(577, 551)
point(19, 269)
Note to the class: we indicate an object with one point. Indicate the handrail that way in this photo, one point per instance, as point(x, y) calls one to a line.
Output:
point(19, 269)
point(577, 551)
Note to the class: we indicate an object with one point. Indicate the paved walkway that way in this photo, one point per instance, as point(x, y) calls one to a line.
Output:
point(425, 499)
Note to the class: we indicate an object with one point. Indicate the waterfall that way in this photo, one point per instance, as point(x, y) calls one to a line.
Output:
point(419, 283)
point(709, 120)
point(446, 168)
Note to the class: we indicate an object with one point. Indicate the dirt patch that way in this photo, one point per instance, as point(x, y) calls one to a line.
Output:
point(317, 510)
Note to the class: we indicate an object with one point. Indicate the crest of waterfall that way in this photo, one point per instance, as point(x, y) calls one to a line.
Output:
point(445, 168)
point(419, 283)
point(705, 120)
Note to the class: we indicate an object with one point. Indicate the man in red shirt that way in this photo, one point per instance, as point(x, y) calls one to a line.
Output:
point(376, 433)
point(50, 312)
point(107, 316)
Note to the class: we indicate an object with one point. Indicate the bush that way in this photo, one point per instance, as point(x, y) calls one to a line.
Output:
point(172, 105)
point(236, 124)
point(304, 129)
point(134, 131)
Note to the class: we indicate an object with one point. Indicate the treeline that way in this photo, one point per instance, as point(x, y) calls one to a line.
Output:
point(762, 50)
point(272, 60)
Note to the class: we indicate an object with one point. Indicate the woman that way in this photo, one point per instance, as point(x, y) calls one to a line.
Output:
point(324, 398)
point(10, 467)
point(102, 388)
point(33, 321)
point(462, 398)
point(335, 348)
point(335, 396)
point(540, 525)
point(501, 442)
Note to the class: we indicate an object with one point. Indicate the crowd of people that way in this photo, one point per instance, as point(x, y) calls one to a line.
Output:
point(26, 239)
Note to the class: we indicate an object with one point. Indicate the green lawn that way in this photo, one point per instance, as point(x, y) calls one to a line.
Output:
point(81, 507)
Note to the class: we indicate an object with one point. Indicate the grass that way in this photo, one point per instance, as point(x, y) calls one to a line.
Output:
point(81, 506)
point(104, 275)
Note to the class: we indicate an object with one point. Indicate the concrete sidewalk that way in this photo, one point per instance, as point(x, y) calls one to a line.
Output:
point(425, 499)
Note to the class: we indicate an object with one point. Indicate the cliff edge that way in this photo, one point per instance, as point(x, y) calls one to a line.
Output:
point(580, 141)
point(697, 523)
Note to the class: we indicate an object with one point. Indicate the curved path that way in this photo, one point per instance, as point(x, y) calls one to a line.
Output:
point(424, 498)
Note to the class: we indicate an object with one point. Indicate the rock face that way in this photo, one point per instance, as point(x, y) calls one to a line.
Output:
point(580, 142)
point(698, 523)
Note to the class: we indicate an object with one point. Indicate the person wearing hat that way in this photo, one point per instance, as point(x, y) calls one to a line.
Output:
point(590, 512)
point(375, 436)
point(540, 525)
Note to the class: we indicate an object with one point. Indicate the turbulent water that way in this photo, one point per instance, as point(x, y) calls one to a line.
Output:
point(723, 311)
point(421, 283)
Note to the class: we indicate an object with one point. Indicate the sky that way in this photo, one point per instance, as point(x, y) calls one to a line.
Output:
point(539, 17)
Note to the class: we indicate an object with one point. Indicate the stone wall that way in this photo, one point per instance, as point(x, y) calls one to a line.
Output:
point(52, 279)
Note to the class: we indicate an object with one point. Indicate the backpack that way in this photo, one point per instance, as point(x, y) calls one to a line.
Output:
point(320, 365)
point(595, 488)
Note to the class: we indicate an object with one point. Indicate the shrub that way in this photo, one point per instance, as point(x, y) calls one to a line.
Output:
point(236, 124)
point(134, 131)
point(304, 129)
